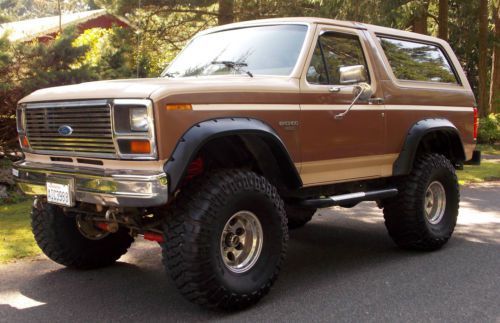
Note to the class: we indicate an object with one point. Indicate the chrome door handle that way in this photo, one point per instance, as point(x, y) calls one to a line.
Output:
point(376, 101)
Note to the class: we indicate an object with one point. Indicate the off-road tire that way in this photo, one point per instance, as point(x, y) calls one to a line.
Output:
point(193, 228)
point(404, 215)
point(297, 216)
point(59, 238)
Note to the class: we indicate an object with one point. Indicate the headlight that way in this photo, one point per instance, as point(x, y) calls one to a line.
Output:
point(139, 119)
point(133, 128)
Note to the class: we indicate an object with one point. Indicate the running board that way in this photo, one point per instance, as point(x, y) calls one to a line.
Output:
point(349, 199)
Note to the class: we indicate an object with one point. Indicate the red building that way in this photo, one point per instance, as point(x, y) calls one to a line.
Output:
point(45, 29)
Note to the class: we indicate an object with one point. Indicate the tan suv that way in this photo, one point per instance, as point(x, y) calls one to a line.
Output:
point(251, 129)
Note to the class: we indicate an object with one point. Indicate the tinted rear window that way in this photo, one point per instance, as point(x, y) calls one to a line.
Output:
point(413, 61)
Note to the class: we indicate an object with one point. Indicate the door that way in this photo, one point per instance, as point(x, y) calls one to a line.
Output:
point(337, 149)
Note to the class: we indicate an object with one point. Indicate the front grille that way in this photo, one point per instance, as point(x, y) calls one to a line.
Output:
point(91, 129)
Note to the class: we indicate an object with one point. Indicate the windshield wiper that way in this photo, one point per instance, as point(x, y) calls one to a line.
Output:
point(167, 74)
point(237, 66)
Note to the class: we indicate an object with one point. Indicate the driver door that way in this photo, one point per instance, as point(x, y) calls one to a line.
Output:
point(340, 149)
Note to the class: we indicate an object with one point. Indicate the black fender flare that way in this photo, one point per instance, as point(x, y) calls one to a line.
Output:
point(198, 135)
point(404, 163)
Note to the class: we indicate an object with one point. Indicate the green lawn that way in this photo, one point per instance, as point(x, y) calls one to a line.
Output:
point(488, 171)
point(16, 240)
point(489, 149)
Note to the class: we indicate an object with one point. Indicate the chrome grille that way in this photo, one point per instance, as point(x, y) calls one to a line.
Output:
point(90, 122)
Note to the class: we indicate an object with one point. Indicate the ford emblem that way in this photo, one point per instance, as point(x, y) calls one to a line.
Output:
point(65, 130)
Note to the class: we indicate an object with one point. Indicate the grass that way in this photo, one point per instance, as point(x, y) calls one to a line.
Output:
point(489, 149)
point(488, 171)
point(16, 239)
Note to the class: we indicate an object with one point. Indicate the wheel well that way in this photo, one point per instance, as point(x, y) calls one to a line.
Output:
point(443, 142)
point(251, 151)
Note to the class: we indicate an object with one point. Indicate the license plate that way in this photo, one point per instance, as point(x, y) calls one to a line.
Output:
point(60, 191)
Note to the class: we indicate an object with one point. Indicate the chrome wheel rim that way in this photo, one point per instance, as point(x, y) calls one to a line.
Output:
point(241, 241)
point(435, 202)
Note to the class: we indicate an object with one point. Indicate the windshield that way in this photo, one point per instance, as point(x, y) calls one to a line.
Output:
point(263, 50)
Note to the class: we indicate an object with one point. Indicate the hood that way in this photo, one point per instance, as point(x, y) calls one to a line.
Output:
point(115, 89)
point(160, 88)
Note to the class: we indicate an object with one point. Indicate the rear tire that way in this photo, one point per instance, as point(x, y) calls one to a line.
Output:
point(297, 216)
point(60, 239)
point(226, 238)
point(424, 214)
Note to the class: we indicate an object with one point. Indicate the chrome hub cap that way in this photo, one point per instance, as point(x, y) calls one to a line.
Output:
point(435, 202)
point(241, 242)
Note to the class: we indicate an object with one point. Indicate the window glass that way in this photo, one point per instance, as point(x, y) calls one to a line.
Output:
point(336, 50)
point(417, 61)
point(264, 50)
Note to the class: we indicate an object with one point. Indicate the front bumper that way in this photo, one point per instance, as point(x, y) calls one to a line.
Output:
point(124, 188)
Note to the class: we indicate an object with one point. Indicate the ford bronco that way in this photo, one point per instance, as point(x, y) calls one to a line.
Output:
point(251, 129)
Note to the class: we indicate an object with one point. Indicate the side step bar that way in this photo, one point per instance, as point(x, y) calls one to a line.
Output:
point(349, 199)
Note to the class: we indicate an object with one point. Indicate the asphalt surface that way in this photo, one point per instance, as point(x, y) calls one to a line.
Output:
point(340, 267)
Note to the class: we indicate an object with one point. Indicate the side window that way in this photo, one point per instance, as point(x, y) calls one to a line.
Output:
point(413, 61)
point(334, 53)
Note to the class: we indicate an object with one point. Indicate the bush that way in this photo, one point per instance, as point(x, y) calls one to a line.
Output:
point(489, 129)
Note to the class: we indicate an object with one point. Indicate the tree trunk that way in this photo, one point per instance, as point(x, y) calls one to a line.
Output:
point(495, 66)
point(226, 12)
point(443, 19)
point(483, 56)
point(419, 24)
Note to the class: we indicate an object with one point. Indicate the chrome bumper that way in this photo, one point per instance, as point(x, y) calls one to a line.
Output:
point(126, 188)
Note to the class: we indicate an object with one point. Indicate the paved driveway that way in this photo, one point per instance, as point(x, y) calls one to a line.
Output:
point(340, 267)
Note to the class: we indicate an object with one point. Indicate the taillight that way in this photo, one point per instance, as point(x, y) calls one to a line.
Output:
point(476, 123)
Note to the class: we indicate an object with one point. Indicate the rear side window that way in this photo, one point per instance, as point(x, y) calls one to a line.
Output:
point(413, 61)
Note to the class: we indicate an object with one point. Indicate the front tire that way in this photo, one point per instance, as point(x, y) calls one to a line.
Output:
point(226, 239)
point(424, 214)
point(60, 239)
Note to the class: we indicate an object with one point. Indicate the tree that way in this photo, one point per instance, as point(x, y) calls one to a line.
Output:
point(419, 23)
point(483, 57)
point(443, 19)
point(26, 67)
point(495, 65)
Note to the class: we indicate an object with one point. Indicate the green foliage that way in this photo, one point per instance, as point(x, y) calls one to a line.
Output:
point(489, 129)
point(26, 67)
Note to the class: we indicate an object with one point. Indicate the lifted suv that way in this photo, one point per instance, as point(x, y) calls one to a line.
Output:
point(250, 130)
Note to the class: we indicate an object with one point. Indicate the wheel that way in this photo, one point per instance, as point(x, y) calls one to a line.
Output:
point(71, 242)
point(424, 214)
point(297, 216)
point(226, 238)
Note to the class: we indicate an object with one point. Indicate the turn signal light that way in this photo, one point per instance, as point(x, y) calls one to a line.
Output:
point(140, 147)
point(172, 107)
point(24, 142)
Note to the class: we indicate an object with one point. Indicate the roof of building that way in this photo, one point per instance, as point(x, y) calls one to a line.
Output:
point(25, 30)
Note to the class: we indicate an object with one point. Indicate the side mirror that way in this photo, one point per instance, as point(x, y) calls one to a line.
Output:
point(363, 91)
point(352, 74)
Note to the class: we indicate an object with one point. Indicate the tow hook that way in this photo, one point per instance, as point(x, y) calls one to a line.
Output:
point(154, 236)
point(107, 226)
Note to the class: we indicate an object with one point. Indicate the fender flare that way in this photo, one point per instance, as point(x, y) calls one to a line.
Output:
point(404, 163)
point(198, 135)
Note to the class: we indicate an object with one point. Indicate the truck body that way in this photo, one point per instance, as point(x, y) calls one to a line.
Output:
point(319, 112)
